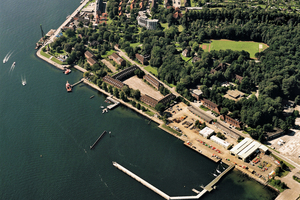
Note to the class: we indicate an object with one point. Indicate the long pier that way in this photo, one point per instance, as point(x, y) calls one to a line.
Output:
point(208, 188)
point(77, 83)
point(91, 147)
point(145, 183)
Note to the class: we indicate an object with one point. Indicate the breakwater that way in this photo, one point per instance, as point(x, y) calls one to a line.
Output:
point(91, 147)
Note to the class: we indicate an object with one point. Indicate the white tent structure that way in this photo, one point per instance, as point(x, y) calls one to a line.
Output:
point(206, 132)
point(250, 149)
point(240, 146)
point(221, 142)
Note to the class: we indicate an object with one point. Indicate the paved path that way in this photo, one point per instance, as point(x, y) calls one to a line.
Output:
point(294, 187)
point(109, 65)
point(61, 67)
point(51, 39)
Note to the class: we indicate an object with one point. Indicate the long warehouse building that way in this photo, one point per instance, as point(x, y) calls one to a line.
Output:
point(241, 146)
point(250, 149)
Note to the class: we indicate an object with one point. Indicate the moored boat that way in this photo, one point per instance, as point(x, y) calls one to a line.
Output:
point(67, 71)
point(68, 87)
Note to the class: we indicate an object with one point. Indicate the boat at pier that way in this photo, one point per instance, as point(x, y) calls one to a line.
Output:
point(68, 87)
point(67, 71)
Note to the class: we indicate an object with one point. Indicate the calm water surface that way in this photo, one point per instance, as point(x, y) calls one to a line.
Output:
point(45, 132)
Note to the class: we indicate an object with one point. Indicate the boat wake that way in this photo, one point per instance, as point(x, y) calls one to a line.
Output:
point(8, 55)
point(24, 82)
point(12, 67)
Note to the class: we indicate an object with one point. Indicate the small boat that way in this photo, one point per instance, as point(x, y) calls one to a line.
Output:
point(215, 175)
point(23, 81)
point(92, 96)
point(218, 170)
point(68, 87)
point(14, 64)
point(104, 110)
point(67, 71)
point(101, 106)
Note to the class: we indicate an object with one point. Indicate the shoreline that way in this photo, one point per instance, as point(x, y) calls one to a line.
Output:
point(153, 119)
point(159, 123)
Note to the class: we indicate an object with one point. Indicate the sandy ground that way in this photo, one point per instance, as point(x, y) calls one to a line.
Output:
point(136, 83)
point(192, 135)
point(109, 65)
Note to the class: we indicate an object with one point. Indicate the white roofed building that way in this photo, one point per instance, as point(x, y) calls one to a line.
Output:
point(206, 132)
point(221, 142)
point(250, 149)
point(241, 146)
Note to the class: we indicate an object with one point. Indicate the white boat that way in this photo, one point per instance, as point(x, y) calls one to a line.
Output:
point(101, 106)
point(23, 79)
point(104, 110)
point(8, 55)
point(215, 174)
point(218, 170)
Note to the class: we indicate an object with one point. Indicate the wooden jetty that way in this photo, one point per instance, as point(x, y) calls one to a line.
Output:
point(77, 83)
point(91, 147)
point(116, 103)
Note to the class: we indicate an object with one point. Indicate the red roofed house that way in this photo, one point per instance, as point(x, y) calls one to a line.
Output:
point(115, 57)
point(239, 78)
point(231, 121)
point(212, 106)
point(141, 58)
point(153, 81)
point(91, 59)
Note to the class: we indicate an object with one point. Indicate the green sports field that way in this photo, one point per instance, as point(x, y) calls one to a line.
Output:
point(249, 46)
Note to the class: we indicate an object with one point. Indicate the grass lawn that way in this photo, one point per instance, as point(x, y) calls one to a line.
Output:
point(91, 1)
point(56, 60)
point(45, 54)
point(204, 108)
point(108, 53)
point(148, 112)
point(180, 28)
point(185, 58)
point(135, 44)
point(287, 164)
point(249, 46)
point(165, 26)
point(193, 3)
point(151, 70)
point(171, 130)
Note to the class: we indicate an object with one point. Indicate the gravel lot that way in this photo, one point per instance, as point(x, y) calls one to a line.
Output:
point(136, 83)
